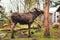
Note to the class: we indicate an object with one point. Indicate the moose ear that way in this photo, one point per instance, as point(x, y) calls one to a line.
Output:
point(42, 11)
point(36, 9)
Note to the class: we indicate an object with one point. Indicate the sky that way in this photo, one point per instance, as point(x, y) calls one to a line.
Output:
point(7, 5)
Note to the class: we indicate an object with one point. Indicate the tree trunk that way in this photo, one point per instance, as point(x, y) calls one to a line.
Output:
point(9, 20)
point(46, 17)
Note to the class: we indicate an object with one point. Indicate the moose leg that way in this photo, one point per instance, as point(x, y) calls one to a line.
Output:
point(29, 30)
point(12, 30)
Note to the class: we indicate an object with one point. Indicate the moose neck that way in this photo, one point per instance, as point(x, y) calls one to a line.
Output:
point(36, 14)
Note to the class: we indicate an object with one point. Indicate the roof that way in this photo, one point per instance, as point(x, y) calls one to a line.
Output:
point(58, 9)
point(54, 9)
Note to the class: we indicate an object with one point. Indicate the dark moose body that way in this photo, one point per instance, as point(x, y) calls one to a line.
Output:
point(24, 18)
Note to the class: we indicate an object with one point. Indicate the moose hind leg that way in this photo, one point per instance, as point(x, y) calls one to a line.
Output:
point(29, 25)
point(12, 30)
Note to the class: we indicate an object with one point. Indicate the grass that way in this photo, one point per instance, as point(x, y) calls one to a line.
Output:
point(39, 35)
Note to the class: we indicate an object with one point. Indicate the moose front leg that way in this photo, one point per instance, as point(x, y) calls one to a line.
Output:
point(29, 25)
point(12, 30)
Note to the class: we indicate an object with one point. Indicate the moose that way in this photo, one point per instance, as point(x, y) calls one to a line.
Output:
point(24, 18)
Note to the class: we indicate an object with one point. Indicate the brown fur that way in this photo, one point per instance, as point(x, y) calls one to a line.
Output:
point(25, 18)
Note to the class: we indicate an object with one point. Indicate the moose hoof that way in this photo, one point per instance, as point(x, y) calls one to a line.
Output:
point(29, 35)
point(12, 37)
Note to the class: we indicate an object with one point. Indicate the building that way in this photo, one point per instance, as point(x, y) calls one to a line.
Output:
point(58, 14)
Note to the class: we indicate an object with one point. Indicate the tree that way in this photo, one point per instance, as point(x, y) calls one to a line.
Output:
point(29, 4)
point(15, 4)
point(46, 17)
point(4, 15)
point(54, 4)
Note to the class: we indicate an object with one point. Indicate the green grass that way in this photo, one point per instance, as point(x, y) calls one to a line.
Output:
point(39, 35)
